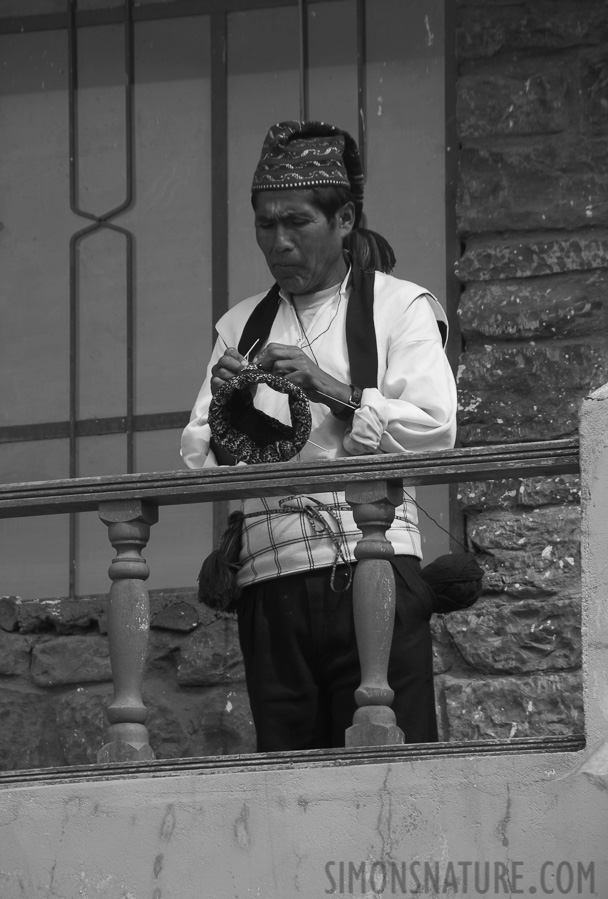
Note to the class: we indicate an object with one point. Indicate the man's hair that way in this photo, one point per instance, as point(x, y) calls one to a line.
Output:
point(331, 198)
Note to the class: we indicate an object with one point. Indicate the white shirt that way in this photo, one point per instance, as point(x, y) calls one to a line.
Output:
point(413, 409)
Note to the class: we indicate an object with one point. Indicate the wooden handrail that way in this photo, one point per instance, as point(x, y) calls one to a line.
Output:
point(519, 460)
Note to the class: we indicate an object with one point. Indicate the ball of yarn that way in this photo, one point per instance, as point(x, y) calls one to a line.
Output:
point(251, 435)
point(456, 580)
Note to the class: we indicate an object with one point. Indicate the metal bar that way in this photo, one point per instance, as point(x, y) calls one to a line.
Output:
point(219, 166)
point(93, 427)
point(452, 240)
point(219, 196)
point(130, 355)
point(73, 299)
point(303, 61)
point(456, 519)
point(142, 13)
point(129, 51)
point(361, 83)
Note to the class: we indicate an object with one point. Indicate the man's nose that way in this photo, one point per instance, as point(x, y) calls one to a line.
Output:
point(282, 239)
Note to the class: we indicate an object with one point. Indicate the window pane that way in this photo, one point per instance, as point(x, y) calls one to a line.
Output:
point(172, 215)
point(405, 188)
point(102, 326)
point(263, 88)
point(332, 75)
point(37, 223)
point(34, 551)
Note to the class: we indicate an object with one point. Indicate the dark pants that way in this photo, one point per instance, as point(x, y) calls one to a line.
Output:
point(302, 665)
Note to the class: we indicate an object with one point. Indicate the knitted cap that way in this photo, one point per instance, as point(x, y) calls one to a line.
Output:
point(246, 432)
point(309, 154)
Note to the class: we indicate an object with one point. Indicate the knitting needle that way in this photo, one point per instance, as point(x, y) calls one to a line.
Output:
point(336, 400)
point(250, 349)
point(318, 445)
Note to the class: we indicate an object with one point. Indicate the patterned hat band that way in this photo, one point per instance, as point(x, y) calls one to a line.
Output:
point(304, 155)
point(248, 433)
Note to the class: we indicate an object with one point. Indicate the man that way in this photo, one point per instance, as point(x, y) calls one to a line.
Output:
point(367, 351)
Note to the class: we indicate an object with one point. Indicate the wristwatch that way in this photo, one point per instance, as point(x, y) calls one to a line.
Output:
point(346, 412)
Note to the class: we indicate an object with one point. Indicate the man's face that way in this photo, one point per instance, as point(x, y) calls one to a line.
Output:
point(303, 250)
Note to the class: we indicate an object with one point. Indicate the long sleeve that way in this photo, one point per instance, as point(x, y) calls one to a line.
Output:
point(414, 409)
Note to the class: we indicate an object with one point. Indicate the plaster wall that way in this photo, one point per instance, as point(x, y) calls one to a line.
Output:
point(284, 832)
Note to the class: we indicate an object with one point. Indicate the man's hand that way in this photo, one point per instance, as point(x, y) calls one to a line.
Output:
point(226, 367)
point(292, 363)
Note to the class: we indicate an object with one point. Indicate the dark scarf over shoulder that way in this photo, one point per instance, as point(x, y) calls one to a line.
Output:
point(360, 329)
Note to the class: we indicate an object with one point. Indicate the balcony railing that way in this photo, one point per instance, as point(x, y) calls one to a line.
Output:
point(129, 506)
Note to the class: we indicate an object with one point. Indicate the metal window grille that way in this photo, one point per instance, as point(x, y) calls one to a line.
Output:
point(127, 15)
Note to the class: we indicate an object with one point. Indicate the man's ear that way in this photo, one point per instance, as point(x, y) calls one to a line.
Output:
point(346, 218)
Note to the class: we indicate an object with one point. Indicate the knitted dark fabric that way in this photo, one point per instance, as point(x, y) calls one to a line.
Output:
point(456, 580)
point(310, 154)
point(251, 435)
point(217, 580)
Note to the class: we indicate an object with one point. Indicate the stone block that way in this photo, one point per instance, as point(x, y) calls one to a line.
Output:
point(529, 553)
point(532, 255)
point(170, 721)
point(223, 724)
point(62, 616)
point(594, 94)
point(9, 613)
point(211, 655)
point(80, 719)
point(178, 616)
point(188, 723)
point(28, 736)
point(502, 708)
point(518, 493)
point(565, 306)
point(526, 97)
point(545, 182)
point(518, 637)
point(163, 650)
point(445, 655)
point(529, 392)
point(71, 660)
point(15, 655)
point(485, 30)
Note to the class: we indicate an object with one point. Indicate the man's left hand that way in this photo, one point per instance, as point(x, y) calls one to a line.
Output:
point(292, 363)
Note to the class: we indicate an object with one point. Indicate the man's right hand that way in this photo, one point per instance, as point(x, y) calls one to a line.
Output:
point(227, 366)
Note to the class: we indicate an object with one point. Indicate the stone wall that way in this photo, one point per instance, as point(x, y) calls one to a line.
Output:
point(532, 117)
point(56, 681)
point(532, 113)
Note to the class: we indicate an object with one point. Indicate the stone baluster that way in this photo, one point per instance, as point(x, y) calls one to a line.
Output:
point(373, 505)
point(128, 625)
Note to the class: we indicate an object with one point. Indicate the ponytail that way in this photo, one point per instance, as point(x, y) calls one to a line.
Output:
point(370, 251)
